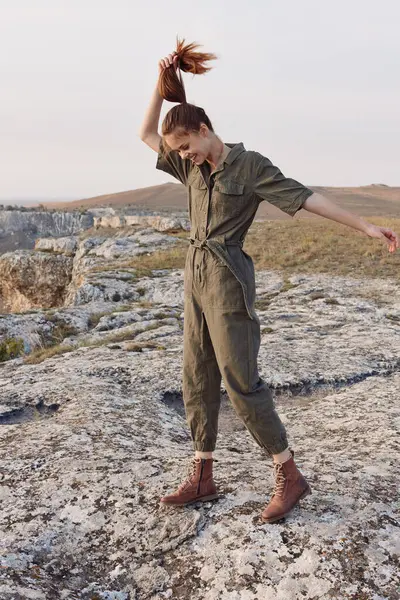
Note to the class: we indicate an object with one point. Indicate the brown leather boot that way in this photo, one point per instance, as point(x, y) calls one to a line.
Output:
point(290, 487)
point(198, 487)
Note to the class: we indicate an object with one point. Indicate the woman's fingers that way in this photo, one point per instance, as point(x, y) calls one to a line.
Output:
point(389, 236)
point(168, 61)
point(393, 239)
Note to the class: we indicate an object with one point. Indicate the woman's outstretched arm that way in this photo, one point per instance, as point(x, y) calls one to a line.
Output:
point(320, 205)
point(149, 130)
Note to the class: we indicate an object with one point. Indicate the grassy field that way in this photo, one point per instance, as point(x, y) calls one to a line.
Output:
point(301, 246)
point(322, 246)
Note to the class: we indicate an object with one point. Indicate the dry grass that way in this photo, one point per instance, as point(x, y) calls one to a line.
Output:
point(94, 318)
point(144, 264)
point(180, 233)
point(321, 246)
point(122, 336)
point(140, 346)
point(143, 304)
point(39, 355)
point(162, 259)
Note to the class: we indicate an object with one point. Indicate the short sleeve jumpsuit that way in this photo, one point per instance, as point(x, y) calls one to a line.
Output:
point(221, 328)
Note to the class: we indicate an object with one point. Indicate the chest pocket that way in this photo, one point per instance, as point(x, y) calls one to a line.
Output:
point(228, 198)
point(195, 180)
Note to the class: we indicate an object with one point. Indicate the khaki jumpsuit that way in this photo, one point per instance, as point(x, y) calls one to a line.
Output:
point(221, 328)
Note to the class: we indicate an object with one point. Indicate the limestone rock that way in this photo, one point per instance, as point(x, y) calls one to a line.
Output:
point(112, 221)
point(92, 438)
point(92, 254)
point(65, 245)
point(30, 280)
point(158, 222)
point(92, 441)
point(45, 223)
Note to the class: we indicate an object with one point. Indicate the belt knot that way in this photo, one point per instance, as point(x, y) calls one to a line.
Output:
point(198, 243)
point(202, 243)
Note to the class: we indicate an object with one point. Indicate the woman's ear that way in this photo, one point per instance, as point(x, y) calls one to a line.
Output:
point(204, 131)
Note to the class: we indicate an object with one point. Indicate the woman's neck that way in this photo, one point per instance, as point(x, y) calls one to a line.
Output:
point(217, 149)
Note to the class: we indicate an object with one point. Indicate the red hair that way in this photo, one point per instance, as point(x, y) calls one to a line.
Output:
point(171, 88)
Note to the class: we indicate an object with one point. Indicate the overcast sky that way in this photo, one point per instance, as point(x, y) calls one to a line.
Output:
point(313, 85)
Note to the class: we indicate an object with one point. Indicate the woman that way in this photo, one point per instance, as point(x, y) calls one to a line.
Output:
point(226, 183)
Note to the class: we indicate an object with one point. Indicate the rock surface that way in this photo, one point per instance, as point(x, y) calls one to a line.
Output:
point(91, 439)
point(20, 229)
point(96, 276)
point(64, 245)
point(45, 222)
point(157, 222)
point(73, 272)
point(29, 280)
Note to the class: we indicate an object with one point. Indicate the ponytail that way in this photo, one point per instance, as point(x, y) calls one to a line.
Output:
point(170, 83)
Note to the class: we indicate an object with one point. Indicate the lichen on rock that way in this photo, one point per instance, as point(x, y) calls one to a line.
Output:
point(91, 439)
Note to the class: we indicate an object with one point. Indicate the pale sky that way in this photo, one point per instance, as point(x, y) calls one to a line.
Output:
point(313, 85)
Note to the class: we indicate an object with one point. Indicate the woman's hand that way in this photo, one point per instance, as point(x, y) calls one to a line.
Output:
point(389, 236)
point(168, 61)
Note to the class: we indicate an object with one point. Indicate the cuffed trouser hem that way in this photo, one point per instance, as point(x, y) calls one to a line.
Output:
point(208, 446)
point(276, 448)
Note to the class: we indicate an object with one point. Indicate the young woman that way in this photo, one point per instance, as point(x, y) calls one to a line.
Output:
point(226, 183)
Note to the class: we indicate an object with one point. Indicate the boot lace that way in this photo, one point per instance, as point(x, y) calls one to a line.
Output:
point(279, 480)
point(190, 473)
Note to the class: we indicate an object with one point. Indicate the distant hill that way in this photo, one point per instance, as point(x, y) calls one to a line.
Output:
point(167, 195)
point(376, 199)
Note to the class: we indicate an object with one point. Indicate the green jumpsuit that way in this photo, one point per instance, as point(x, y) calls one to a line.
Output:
point(221, 328)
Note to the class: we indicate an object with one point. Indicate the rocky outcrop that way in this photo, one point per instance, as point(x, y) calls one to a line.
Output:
point(94, 279)
point(112, 221)
point(91, 284)
point(73, 272)
point(95, 437)
point(157, 222)
point(33, 280)
point(64, 245)
point(20, 228)
point(45, 223)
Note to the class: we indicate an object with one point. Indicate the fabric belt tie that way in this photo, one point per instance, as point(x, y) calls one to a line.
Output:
point(201, 243)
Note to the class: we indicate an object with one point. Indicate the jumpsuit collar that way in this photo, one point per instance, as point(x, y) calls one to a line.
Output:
point(229, 155)
point(236, 149)
point(220, 166)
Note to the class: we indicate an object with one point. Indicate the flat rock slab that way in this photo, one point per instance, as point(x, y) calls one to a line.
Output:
point(90, 440)
point(80, 488)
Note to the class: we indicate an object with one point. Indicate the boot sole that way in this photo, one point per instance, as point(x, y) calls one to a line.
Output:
point(306, 492)
point(202, 499)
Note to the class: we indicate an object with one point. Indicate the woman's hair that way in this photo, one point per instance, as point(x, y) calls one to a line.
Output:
point(171, 88)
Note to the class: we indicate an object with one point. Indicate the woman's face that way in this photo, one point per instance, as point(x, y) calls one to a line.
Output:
point(194, 145)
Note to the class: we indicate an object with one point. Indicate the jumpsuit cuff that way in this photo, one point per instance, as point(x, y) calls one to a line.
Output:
point(207, 446)
point(299, 201)
point(278, 447)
